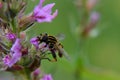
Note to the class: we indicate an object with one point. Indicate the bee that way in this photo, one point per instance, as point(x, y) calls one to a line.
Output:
point(53, 44)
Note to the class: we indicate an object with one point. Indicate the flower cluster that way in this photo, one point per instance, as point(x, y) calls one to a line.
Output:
point(17, 52)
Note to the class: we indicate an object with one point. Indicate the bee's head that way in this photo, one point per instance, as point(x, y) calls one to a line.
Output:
point(44, 37)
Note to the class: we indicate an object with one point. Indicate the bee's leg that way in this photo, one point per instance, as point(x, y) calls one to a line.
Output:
point(60, 54)
point(48, 59)
point(60, 45)
point(38, 39)
point(54, 55)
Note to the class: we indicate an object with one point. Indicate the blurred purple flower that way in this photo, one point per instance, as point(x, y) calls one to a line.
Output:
point(44, 14)
point(35, 42)
point(1, 4)
point(11, 36)
point(15, 54)
point(94, 17)
point(47, 77)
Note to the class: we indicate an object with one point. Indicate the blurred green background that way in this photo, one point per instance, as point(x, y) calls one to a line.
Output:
point(99, 57)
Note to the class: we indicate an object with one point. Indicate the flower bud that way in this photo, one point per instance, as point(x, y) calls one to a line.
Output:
point(36, 72)
point(1, 5)
point(94, 17)
point(22, 35)
point(11, 36)
point(90, 4)
point(24, 51)
point(26, 22)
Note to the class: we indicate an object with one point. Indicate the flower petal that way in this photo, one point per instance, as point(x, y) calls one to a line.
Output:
point(38, 7)
point(15, 54)
point(11, 36)
point(6, 59)
point(17, 46)
point(47, 77)
point(40, 4)
point(48, 8)
point(16, 57)
point(35, 42)
point(55, 14)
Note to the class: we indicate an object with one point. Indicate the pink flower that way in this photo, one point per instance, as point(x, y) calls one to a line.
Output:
point(47, 77)
point(15, 54)
point(44, 14)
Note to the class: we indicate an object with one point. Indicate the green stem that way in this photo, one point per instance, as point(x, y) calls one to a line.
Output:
point(22, 75)
point(13, 25)
point(15, 28)
point(27, 75)
point(85, 14)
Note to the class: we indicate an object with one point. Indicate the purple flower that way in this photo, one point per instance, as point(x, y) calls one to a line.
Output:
point(35, 42)
point(47, 77)
point(15, 54)
point(11, 36)
point(36, 72)
point(94, 17)
point(17, 46)
point(44, 14)
point(6, 59)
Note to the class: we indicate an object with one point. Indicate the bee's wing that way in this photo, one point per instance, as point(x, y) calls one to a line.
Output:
point(65, 54)
point(60, 36)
